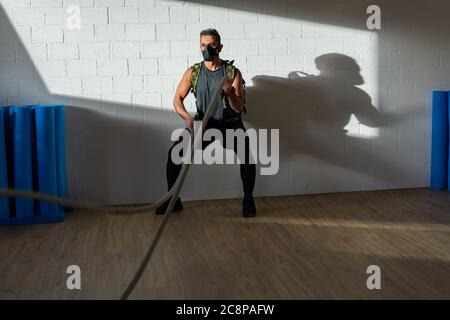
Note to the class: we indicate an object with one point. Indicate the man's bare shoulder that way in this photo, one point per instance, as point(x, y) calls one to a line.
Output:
point(237, 74)
point(188, 73)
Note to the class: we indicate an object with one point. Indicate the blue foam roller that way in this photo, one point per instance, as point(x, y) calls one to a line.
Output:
point(60, 152)
point(4, 201)
point(46, 158)
point(448, 157)
point(20, 123)
point(440, 140)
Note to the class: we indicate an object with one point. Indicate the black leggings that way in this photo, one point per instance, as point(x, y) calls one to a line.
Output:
point(248, 170)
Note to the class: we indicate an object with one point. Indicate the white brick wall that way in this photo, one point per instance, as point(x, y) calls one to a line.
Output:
point(302, 46)
point(181, 49)
point(143, 66)
point(110, 32)
point(123, 15)
point(153, 99)
point(14, 70)
point(29, 16)
point(160, 49)
point(70, 86)
point(95, 85)
point(97, 50)
point(62, 51)
point(172, 66)
point(30, 88)
point(94, 16)
point(113, 67)
point(170, 32)
point(258, 30)
point(37, 51)
point(53, 16)
point(77, 68)
point(7, 53)
point(128, 57)
point(128, 84)
point(46, 3)
point(140, 32)
point(9, 88)
point(86, 34)
point(125, 50)
point(154, 14)
point(48, 34)
point(139, 3)
point(51, 69)
point(184, 15)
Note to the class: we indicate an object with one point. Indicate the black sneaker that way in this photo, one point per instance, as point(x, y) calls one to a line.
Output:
point(162, 208)
point(248, 207)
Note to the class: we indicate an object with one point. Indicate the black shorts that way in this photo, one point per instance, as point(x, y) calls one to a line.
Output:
point(229, 117)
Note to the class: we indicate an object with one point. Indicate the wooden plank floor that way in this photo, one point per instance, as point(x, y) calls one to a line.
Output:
point(298, 247)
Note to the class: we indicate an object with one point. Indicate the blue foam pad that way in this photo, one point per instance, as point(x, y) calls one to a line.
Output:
point(46, 158)
point(60, 152)
point(4, 201)
point(20, 126)
point(448, 157)
point(440, 140)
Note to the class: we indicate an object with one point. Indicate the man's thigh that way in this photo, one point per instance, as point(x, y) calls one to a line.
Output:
point(240, 140)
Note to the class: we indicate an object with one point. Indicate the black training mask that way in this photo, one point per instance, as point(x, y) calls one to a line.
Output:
point(209, 54)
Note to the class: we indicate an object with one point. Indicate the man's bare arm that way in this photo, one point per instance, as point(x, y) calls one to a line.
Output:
point(181, 92)
point(236, 98)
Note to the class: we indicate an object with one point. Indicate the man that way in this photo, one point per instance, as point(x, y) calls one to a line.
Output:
point(210, 73)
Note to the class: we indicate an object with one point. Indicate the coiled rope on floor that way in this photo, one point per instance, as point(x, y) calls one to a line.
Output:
point(172, 194)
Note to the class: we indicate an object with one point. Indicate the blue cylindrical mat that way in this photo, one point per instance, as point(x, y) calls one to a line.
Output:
point(46, 157)
point(448, 157)
point(60, 152)
point(4, 201)
point(440, 140)
point(20, 126)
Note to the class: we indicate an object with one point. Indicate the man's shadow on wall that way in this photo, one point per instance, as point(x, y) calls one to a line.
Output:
point(312, 112)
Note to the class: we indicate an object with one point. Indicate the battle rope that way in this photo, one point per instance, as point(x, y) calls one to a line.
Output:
point(181, 176)
point(172, 194)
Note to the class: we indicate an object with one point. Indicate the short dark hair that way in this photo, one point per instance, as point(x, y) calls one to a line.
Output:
point(211, 32)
